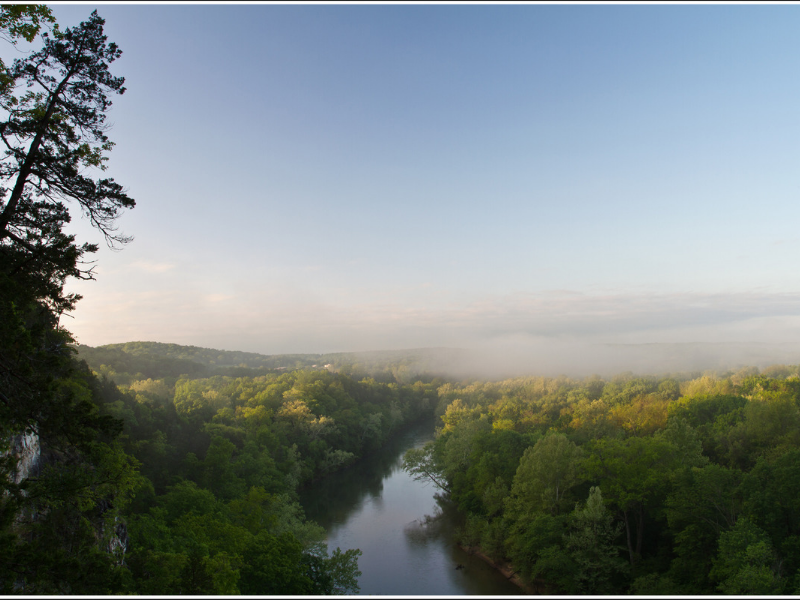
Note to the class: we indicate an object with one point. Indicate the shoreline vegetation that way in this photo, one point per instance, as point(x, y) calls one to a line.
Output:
point(679, 484)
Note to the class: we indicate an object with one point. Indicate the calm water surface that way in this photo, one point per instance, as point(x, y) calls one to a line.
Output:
point(405, 536)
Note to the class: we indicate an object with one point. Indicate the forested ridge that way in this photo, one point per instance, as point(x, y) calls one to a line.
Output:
point(688, 484)
point(124, 361)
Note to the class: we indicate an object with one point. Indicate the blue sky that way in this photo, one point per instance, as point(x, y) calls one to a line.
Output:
point(336, 178)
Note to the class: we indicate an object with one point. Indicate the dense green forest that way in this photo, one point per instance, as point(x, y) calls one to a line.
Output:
point(675, 485)
point(206, 476)
point(220, 460)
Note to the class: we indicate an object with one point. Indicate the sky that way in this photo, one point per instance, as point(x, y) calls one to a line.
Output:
point(325, 178)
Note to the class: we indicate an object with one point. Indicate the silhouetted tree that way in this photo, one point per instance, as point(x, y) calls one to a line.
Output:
point(54, 130)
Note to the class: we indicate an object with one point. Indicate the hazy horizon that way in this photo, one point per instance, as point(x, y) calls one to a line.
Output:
point(558, 359)
point(527, 181)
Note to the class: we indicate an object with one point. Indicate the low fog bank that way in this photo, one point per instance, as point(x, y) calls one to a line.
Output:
point(503, 360)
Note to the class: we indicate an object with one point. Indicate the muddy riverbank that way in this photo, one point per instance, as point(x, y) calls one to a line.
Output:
point(506, 569)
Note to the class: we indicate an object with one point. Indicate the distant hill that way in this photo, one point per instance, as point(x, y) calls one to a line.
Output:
point(207, 357)
point(157, 360)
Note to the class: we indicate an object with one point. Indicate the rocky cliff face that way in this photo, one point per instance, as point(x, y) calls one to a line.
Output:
point(118, 542)
point(25, 447)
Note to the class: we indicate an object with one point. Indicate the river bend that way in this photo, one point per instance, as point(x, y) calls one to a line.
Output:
point(405, 536)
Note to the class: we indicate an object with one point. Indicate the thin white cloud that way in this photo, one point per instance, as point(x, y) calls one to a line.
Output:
point(153, 267)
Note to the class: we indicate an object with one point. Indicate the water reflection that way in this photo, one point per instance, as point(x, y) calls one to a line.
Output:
point(334, 498)
point(430, 527)
point(405, 534)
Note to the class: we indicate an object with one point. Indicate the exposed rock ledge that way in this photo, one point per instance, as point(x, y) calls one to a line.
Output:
point(25, 447)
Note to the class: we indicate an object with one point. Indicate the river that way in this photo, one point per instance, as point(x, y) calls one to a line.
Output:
point(404, 534)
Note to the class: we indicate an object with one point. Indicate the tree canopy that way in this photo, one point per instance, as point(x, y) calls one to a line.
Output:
point(682, 484)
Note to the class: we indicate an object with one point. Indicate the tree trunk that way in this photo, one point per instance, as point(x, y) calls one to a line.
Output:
point(639, 529)
point(30, 157)
point(628, 535)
